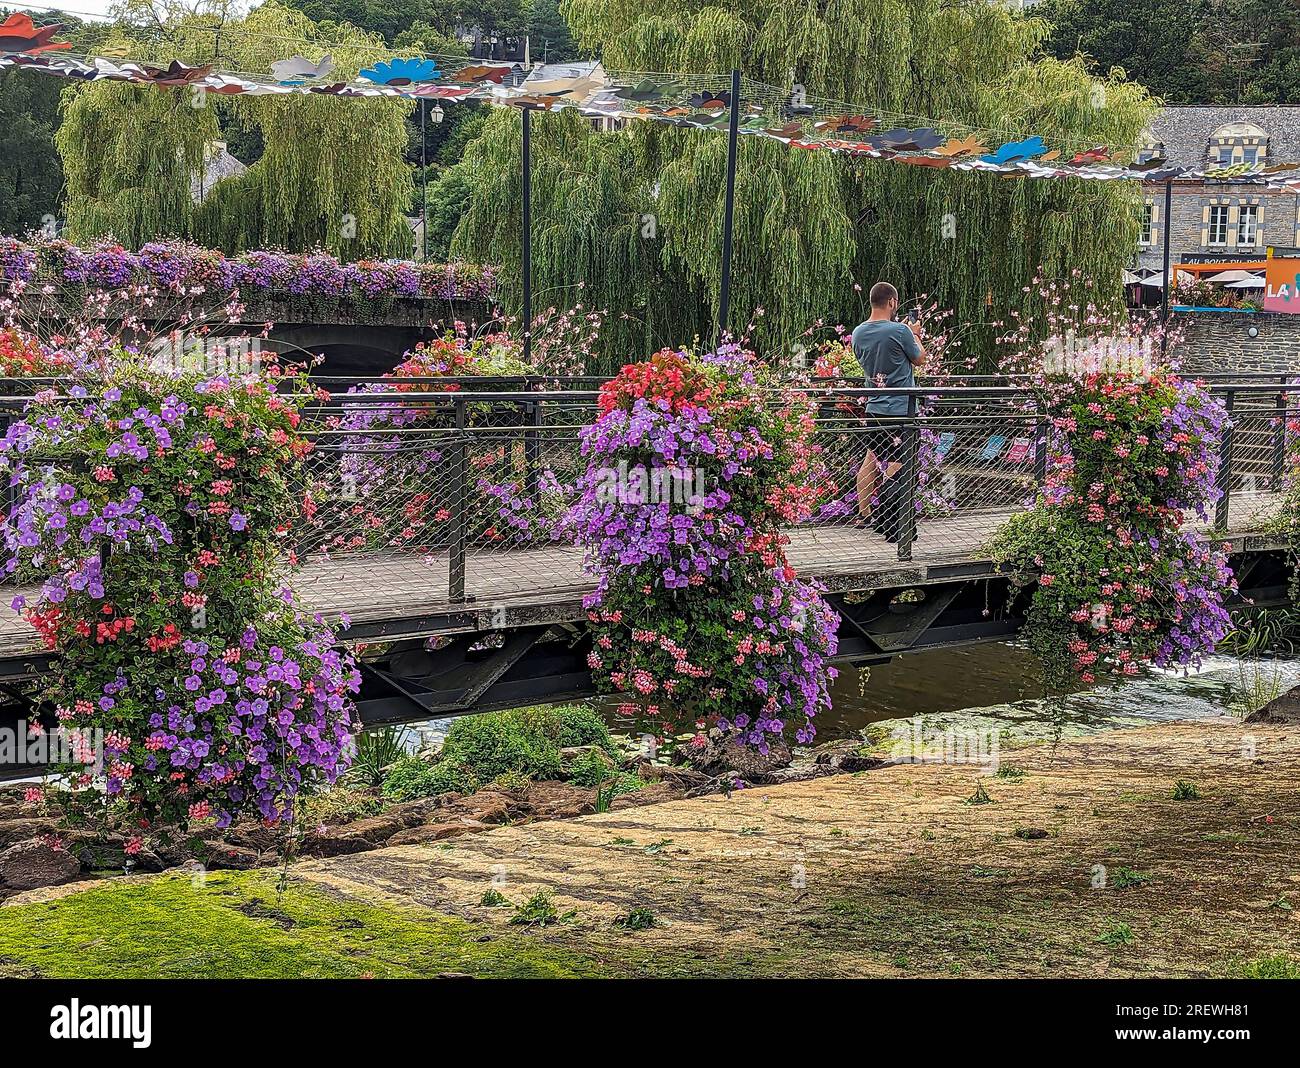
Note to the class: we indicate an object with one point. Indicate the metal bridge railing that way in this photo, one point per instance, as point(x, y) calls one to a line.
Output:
point(428, 498)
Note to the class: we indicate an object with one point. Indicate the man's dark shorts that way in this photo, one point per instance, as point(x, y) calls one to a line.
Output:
point(885, 441)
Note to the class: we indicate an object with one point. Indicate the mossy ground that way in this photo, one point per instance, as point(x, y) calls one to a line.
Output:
point(237, 924)
point(1081, 863)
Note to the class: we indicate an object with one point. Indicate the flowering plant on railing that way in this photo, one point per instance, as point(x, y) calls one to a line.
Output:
point(1119, 582)
point(23, 356)
point(156, 508)
point(692, 470)
point(182, 267)
point(401, 451)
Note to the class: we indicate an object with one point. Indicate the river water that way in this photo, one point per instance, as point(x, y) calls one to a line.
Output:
point(992, 687)
point(997, 683)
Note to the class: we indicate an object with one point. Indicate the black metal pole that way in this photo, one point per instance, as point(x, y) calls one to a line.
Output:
point(729, 206)
point(424, 181)
point(527, 264)
point(1166, 224)
point(1222, 513)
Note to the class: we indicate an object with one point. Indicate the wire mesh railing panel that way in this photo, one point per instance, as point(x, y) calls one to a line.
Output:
point(957, 468)
point(416, 495)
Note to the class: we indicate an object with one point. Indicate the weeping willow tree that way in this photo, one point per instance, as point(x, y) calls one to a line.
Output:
point(332, 174)
point(809, 225)
point(129, 158)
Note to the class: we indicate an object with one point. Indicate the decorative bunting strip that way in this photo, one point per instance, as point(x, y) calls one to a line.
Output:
point(664, 99)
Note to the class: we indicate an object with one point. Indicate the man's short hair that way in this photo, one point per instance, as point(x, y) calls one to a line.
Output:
point(882, 293)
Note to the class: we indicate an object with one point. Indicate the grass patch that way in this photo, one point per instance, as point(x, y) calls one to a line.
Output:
point(641, 919)
point(1278, 967)
point(235, 926)
point(1186, 791)
point(1126, 877)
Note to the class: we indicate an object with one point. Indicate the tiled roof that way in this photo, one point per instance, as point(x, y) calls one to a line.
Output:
point(1185, 131)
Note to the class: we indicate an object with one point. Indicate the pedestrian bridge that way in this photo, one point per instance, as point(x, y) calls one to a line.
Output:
point(434, 531)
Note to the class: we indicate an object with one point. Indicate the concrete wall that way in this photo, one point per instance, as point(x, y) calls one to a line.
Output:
point(1220, 342)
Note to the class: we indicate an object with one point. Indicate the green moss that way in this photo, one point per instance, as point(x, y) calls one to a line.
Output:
point(1278, 967)
point(233, 925)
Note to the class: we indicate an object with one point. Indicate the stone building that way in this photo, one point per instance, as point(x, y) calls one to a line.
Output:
point(1215, 225)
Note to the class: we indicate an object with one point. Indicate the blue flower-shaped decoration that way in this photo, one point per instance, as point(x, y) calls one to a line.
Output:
point(1015, 150)
point(403, 71)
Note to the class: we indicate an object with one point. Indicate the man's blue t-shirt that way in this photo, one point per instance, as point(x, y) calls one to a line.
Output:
point(886, 351)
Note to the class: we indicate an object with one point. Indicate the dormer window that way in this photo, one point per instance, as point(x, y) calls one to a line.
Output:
point(1237, 143)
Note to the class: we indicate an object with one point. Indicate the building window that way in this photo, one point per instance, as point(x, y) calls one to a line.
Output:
point(1218, 229)
point(1248, 225)
point(1146, 236)
point(1237, 142)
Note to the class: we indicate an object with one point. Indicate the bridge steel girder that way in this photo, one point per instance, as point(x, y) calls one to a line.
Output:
point(539, 662)
point(446, 664)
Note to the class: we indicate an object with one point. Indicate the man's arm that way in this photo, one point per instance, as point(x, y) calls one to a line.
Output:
point(915, 351)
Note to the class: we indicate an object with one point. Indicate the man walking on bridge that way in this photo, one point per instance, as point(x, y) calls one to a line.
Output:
point(887, 351)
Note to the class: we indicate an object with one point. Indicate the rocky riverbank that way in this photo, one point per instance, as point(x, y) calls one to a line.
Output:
point(1163, 850)
point(37, 849)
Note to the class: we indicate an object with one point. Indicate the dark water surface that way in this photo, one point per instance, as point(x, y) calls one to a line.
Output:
point(995, 686)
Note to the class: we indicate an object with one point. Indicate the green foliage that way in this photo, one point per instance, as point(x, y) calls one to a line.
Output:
point(493, 899)
point(448, 198)
point(1186, 791)
point(512, 781)
point(537, 911)
point(1126, 877)
point(549, 37)
point(524, 740)
point(376, 750)
point(591, 769)
point(517, 746)
point(1263, 630)
point(1119, 935)
point(339, 805)
point(332, 173)
point(412, 777)
point(810, 224)
point(30, 173)
point(639, 919)
point(1225, 51)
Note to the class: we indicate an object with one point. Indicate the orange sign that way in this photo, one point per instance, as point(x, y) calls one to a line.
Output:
point(1282, 281)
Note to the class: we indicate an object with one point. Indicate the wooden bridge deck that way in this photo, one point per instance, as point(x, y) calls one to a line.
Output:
point(548, 583)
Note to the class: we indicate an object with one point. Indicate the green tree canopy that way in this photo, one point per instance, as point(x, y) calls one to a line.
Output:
point(548, 34)
point(30, 174)
point(637, 215)
point(332, 172)
point(1187, 51)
